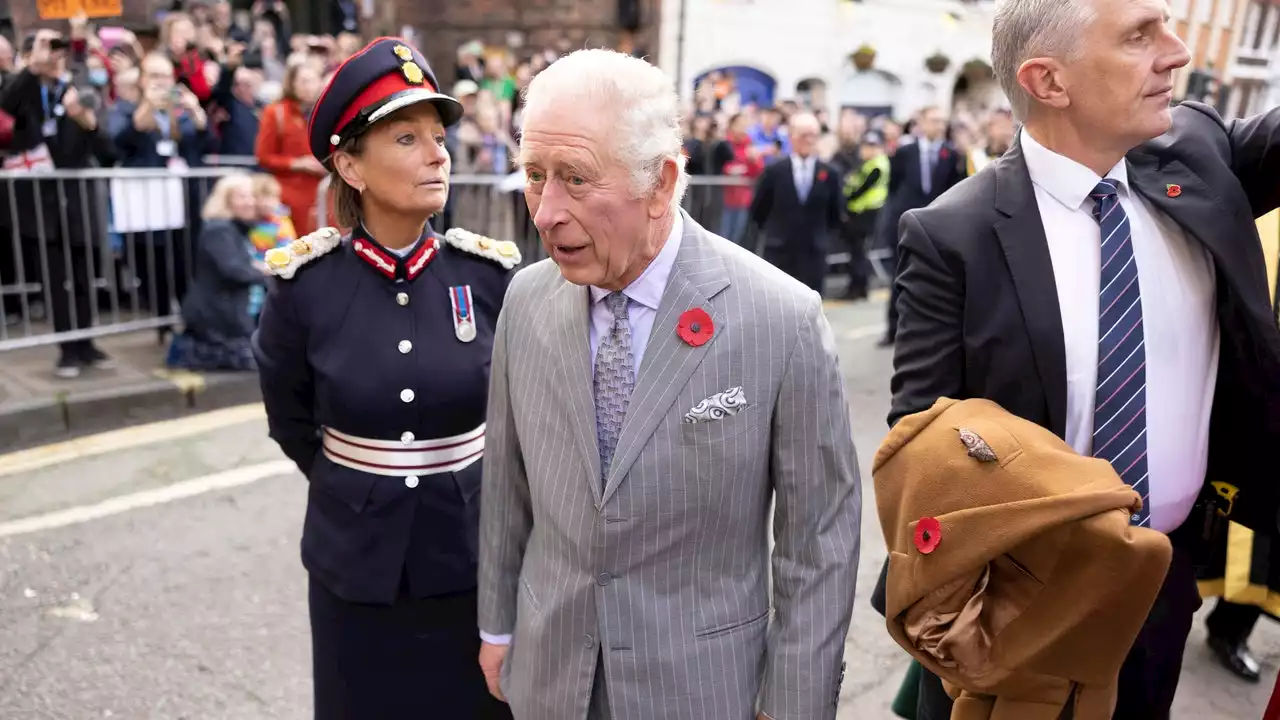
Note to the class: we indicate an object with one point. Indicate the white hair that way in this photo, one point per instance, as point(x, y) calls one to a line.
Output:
point(642, 99)
point(1025, 29)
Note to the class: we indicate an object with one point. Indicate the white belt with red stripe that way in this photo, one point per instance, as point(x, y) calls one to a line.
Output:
point(405, 457)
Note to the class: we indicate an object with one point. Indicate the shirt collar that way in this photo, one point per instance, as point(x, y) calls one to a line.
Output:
point(1066, 180)
point(648, 288)
point(800, 162)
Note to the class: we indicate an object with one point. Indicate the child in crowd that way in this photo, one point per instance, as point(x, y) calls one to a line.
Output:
point(274, 229)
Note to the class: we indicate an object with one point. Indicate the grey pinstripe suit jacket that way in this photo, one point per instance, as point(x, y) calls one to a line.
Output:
point(663, 572)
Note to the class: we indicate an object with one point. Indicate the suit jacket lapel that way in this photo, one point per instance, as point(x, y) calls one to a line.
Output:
point(699, 274)
point(570, 335)
point(1026, 250)
point(1193, 207)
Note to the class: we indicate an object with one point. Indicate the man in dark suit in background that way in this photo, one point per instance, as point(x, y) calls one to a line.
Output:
point(919, 172)
point(1104, 279)
point(797, 205)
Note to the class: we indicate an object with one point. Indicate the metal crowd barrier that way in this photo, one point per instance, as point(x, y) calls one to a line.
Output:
point(87, 253)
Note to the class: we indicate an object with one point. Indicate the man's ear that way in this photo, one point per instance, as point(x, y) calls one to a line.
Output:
point(349, 169)
point(1041, 78)
point(660, 200)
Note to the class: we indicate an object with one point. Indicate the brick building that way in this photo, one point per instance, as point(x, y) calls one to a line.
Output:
point(443, 25)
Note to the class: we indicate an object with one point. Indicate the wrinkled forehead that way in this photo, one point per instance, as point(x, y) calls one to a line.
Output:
point(555, 135)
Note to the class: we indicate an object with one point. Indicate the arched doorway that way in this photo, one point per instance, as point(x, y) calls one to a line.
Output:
point(752, 85)
point(976, 89)
point(871, 92)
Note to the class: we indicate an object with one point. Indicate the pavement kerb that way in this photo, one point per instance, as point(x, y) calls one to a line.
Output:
point(66, 415)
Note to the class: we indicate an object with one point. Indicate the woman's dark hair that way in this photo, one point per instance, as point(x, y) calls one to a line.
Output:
point(345, 199)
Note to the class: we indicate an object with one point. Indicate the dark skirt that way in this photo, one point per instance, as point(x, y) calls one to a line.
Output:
point(412, 660)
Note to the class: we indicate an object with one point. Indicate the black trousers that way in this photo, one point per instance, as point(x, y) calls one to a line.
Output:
point(70, 285)
point(415, 659)
point(1232, 622)
point(160, 261)
point(808, 266)
point(1149, 676)
point(858, 230)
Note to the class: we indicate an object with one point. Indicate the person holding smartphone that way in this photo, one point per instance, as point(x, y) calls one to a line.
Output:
point(54, 128)
point(167, 128)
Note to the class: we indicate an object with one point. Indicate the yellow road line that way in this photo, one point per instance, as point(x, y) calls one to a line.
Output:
point(124, 439)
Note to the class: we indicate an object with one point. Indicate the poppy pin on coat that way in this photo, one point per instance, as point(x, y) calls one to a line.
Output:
point(1173, 191)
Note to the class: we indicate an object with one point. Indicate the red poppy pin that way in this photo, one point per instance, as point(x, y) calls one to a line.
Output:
point(1173, 190)
point(695, 327)
point(822, 176)
point(928, 535)
point(944, 153)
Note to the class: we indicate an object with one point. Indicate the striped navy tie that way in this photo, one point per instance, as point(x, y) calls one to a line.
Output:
point(1120, 405)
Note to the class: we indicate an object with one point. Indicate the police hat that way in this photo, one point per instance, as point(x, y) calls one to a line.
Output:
point(387, 75)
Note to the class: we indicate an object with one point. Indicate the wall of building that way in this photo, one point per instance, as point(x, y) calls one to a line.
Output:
point(794, 40)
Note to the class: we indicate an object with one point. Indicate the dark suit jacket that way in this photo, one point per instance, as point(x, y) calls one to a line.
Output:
point(906, 186)
point(978, 306)
point(788, 223)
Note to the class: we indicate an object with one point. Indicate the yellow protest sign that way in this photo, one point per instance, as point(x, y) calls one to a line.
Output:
point(103, 8)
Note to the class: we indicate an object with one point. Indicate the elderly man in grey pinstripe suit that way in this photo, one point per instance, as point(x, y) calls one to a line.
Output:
point(654, 388)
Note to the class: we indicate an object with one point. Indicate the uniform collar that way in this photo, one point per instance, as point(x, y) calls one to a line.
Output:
point(389, 264)
point(1066, 180)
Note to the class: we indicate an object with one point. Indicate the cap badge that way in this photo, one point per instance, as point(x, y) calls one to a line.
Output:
point(403, 52)
point(412, 73)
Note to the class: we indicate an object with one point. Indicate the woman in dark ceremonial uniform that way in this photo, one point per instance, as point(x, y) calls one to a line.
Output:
point(373, 350)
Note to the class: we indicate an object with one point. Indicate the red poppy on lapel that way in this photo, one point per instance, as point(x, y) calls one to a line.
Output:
point(944, 153)
point(1173, 190)
point(822, 176)
point(695, 327)
point(928, 534)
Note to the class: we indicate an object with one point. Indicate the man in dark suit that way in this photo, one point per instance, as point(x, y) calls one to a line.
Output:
point(1104, 279)
point(918, 173)
point(797, 205)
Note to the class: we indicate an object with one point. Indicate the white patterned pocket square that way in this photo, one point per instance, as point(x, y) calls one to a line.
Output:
point(718, 406)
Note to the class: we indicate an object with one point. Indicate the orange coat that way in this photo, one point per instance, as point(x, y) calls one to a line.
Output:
point(282, 138)
point(1014, 574)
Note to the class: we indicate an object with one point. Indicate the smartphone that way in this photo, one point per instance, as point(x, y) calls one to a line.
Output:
point(59, 43)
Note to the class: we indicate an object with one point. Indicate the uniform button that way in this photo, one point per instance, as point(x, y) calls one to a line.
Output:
point(411, 481)
point(406, 395)
point(405, 346)
point(406, 437)
point(402, 299)
point(604, 579)
point(588, 641)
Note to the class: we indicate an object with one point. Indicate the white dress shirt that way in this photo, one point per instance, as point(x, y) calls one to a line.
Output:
point(1180, 323)
point(644, 295)
point(802, 170)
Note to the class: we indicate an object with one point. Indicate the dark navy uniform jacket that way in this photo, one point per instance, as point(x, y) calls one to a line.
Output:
point(363, 341)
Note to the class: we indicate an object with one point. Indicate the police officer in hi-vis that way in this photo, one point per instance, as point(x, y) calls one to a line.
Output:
point(373, 351)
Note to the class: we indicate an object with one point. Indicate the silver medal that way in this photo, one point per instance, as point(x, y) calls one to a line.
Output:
point(466, 331)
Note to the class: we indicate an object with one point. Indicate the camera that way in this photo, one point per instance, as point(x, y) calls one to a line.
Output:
point(59, 43)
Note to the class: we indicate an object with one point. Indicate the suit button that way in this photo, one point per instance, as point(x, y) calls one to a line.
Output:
point(406, 437)
point(411, 481)
point(405, 346)
point(402, 299)
point(588, 641)
point(406, 395)
point(604, 579)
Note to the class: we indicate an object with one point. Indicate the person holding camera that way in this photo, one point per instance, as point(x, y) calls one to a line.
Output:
point(56, 126)
point(167, 128)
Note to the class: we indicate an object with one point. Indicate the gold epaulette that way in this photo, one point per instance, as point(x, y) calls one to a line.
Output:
point(285, 261)
point(503, 252)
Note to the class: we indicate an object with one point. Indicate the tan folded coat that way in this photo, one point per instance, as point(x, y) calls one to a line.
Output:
point(1036, 583)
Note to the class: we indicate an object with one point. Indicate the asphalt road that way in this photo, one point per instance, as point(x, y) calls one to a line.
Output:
point(154, 574)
